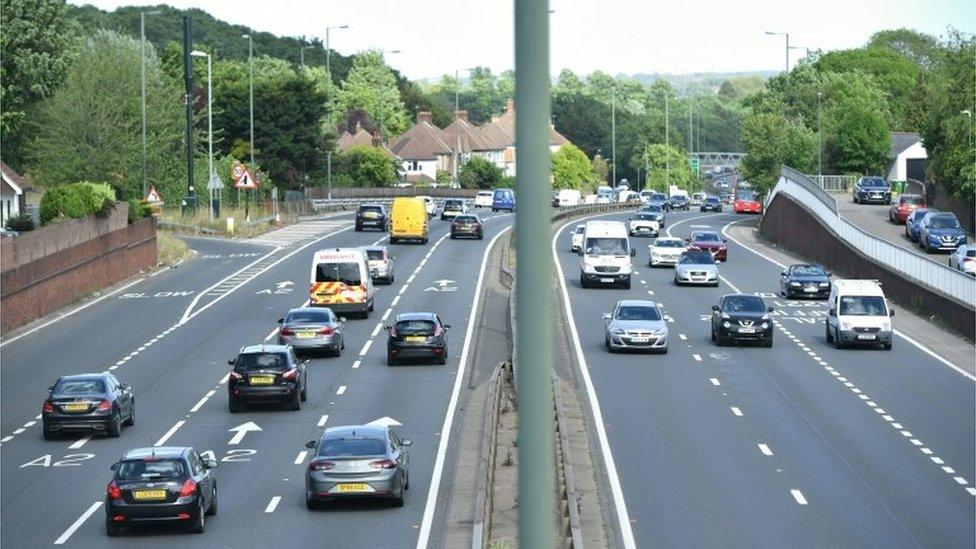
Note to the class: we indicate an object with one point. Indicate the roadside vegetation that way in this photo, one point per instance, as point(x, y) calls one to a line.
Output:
point(170, 249)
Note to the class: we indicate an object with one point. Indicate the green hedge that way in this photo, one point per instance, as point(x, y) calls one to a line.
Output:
point(138, 209)
point(77, 200)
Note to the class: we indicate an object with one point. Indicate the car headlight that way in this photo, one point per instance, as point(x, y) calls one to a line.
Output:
point(845, 326)
point(616, 331)
point(824, 284)
point(795, 284)
point(765, 325)
point(726, 324)
point(659, 333)
point(886, 326)
point(726, 316)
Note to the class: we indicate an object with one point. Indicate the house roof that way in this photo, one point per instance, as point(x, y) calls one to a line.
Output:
point(501, 129)
point(12, 180)
point(900, 141)
point(497, 135)
point(424, 141)
point(465, 135)
point(360, 138)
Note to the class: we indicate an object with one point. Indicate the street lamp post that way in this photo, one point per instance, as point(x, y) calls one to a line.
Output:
point(787, 35)
point(142, 56)
point(667, 142)
point(210, 171)
point(250, 84)
point(328, 48)
point(613, 134)
point(820, 138)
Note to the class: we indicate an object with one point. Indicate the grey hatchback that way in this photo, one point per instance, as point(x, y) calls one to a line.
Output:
point(367, 461)
point(313, 329)
point(635, 325)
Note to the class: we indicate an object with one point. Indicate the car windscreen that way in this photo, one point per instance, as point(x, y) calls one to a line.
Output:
point(407, 327)
point(706, 237)
point(374, 254)
point(79, 387)
point(912, 199)
point(352, 447)
point(644, 217)
point(858, 305)
point(696, 258)
point(580, 230)
point(943, 222)
point(466, 219)
point(874, 182)
point(606, 246)
point(669, 243)
point(375, 209)
point(711, 199)
point(150, 469)
point(808, 270)
point(658, 196)
point(679, 197)
point(453, 204)
point(501, 195)
point(743, 304)
point(262, 361)
point(638, 312)
point(309, 317)
point(745, 195)
point(652, 208)
point(347, 273)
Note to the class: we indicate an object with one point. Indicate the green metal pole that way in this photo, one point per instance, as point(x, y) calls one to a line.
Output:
point(536, 449)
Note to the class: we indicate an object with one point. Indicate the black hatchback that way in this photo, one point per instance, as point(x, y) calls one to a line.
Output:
point(164, 484)
point(266, 373)
point(417, 336)
point(372, 215)
point(804, 281)
point(88, 402)
point(742, 317)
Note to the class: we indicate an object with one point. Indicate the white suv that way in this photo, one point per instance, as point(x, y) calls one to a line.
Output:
point(483, 199)
point(859, 314)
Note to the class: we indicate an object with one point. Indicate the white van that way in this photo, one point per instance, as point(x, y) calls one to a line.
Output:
point(858, 314)
point(568, 197)
point(341, 281)
point(606, 254)
point(483, 199)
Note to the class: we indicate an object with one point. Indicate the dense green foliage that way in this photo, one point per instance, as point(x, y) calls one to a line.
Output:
point(76, 200)
point(364, 167)
point(571, 169)
point(21, 222)
point(478, 173)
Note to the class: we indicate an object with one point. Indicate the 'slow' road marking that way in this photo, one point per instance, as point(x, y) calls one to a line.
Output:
point(798, 496)
point(77, 524)
point(272, 505)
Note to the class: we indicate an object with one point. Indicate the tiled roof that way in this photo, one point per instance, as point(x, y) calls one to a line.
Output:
point(361, 138)
point(424, 141)
point(503, 128)
point(13, 179)
point(466, 134)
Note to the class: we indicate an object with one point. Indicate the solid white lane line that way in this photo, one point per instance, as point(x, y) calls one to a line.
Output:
point(77, 524)
point(301, 457)
point(798, 496)
point(765, 450)
point(342, 389)
point(170, 433)
point(322, 420)
point(715, 382)
point(271, 335)
point(272, 505)
point(366, 346)
point(428, 519)
point(79, 443)
point(736, 411)
point(376, 330)
point(697, 357)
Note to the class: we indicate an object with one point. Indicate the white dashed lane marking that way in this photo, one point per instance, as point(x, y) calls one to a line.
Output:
point(342, 389)
point(736, 411)
point(798, 496)
point(322, 420)
point(301, 457)
point(765, 450)
point(272, 505)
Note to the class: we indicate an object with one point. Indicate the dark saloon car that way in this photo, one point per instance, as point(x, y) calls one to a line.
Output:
point(88, 402)
point(357, 461)
point(710, 204)
point(312, 329)
point(373, 216)
point(872, 189)
point(161, 484)
point(417, 336)
point(742, 317)
point(804, 281)
point(711, 242)
point(266, 373)
point(679, 202)
point(467, 225)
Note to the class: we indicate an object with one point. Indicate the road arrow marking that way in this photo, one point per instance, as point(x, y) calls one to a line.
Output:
point(285, 284)
point(385, 422)
point(241, 430)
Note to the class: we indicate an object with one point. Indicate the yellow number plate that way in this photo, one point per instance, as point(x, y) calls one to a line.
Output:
point(416, 338)
point(144, 495)
point(262, 380)
point(305, 335)
point(352, 488)
point(76, 407)
point(370, 215)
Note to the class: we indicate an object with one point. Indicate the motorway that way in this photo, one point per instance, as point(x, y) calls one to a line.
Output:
point(800, 445)
point(170, 335)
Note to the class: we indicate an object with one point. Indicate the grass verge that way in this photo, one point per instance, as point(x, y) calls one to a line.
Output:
point(170, 249)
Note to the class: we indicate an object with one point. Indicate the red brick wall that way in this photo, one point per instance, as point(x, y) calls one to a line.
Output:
point(39, 287)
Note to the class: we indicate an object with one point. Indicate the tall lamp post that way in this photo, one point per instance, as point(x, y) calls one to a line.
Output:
point(142, 55)
point(820, 139)
point(787, 35)
point(250, 84)
point(328, 48)
point(210, 171)
point(613, 134)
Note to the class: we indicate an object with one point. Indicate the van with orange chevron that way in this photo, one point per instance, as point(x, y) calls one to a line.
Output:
point(341, 281)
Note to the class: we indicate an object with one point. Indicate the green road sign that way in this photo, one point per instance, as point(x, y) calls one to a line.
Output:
point(695, 165)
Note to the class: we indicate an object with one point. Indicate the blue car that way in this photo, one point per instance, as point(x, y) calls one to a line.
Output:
point(503, 199)
point(914, 222)
point(940, 231)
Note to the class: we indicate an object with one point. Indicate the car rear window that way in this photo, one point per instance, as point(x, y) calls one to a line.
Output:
point(638, 312)
point(743, 304)
point(874, 182)
point(309, 317)
point(580, 230)
point(352, 447)
point(808, 270)
point(910, 199)
point(696, 258)
point(669, 243)
point(374, 254)
point(706, 237)
point(862, 305)
point(150, 469)
point(262, 361)
point(644, 217)
point(347, 273)
point(711, 199)
point(971, 252)
point(415, 327)
point(79, 386)
point(376, 209)
point(466, 219)
point(453, 203)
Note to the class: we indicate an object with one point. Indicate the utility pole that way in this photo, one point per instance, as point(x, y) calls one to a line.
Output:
point(667, 142)
point(142, 59)
point(210, 171)
point(188, 78)
point(820, 140)
point(613, 132)
point(787, 35)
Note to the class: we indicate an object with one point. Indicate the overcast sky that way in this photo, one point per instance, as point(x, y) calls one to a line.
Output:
point(615, 36)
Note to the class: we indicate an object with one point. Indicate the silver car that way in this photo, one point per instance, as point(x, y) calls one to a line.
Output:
point(357, 461)
point(696, 267)
point(635, 325)
point(576, 238)
point(666, 251)
point(313, 329)
point(964, 259)
point(380, 264)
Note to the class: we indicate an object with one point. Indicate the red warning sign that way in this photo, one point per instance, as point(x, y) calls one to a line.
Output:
point(242, 177)
point(153, 195)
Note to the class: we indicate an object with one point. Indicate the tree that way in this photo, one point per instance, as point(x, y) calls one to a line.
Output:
point(372, 87)
point(601, 171)
point(90, 128)
point(919, 47)
point(571, 169)
point(479, 173)
point(890, 72)
point(668, 166)
point(366, 167)
point(772, 141)
point(857, 138)
point(35, 48)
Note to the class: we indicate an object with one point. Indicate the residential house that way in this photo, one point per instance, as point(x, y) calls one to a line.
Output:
point(466, 140)
point(423, 150)
point(906, 159)
point(12, 194)
point(501, 133)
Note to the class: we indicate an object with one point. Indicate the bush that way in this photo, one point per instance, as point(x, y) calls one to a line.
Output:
point(21, 222)
point(138, 209)
point(76, 201)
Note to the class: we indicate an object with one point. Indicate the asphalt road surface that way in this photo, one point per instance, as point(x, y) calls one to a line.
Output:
point(170, 336)
point(800, 445)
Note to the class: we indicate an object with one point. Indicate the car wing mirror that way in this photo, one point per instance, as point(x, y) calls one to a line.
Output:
point(607, 316)
point(342, 319)
point(782, 273)
point(724, 241)
point(832, 312)
point(447, 326)
point(114, 466)
point(633, 252)
point(310, 444)
point(715, 308)
point(891, 312)
point(769, 309)
point(232, 361)
point(50, 389)
point(281, 321)
point(406, 442)
point(210, 463)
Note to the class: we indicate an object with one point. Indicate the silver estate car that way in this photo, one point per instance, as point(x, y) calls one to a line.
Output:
point(696, 267)
point(366, 461)
point(635, 325)
point(380, 264)
point(313, 329)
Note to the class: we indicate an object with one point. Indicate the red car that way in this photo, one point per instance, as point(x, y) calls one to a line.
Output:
point(711, 242)
point(746, 202)
point(904, 207)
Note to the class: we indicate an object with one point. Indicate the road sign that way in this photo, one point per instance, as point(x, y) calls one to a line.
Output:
point(695, 165)
point(154, 195)
point(242, 177)
point(215, 184)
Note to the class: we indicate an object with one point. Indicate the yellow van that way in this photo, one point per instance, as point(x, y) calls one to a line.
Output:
point(408, 220)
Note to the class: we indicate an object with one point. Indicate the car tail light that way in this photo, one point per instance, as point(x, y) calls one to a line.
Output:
point(326, 330)
point(438, 331)
point(189, 487)
point(113, 491)
point(118, 518)
point(383, 464)
point(320, 466)
point(48, 407)
point(286, 332)
point(182, 516)
point(236, 376)
point(104, 406)
point(290, 375)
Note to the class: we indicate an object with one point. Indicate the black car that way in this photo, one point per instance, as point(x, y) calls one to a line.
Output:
point(417, 336)
point(655, 209)
point(742, 317)
point(267, 373)
point(467, 225)
point(372, 215)
point(161, 484)
point(88, 402)
point(804, 280)
point(679, 202)
point(711, 204)
point(872, 189)
point(659, 199)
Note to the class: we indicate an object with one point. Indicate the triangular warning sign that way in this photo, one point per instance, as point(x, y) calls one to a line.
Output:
point(153, 195)
point(245, 181)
